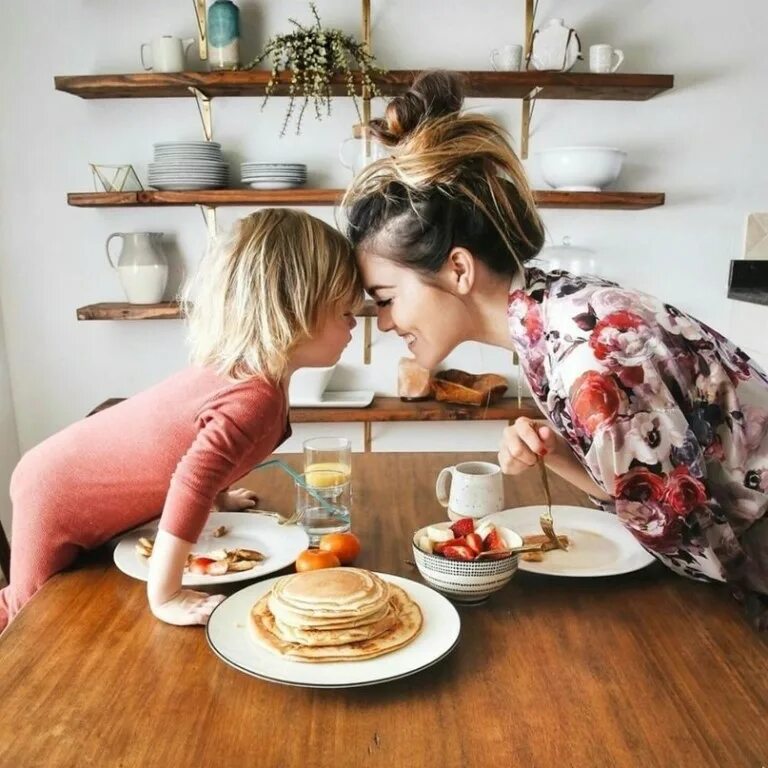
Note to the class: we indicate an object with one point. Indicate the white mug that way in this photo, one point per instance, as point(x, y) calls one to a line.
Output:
point(476, 489)
point(511, 58)
point(601, 58)
point(168, 53)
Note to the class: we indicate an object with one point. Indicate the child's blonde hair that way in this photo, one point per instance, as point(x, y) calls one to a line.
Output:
point(266, 286)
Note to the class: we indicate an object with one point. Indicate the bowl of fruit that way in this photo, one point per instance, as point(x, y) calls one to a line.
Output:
point(467, 560)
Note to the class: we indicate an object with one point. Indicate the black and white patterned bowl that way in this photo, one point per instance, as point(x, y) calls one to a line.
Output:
point(466, 581)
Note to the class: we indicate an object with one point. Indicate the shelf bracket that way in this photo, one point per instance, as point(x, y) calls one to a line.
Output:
point(529, 102)
point(209, 215)
point(367, 436)
point(367, 336)
point(204, 108)
point(202, 29)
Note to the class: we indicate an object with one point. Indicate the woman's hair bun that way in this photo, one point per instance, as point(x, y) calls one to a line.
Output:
point(432, 95)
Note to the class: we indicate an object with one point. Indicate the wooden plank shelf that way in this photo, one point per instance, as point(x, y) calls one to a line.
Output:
point(217, 197)
point(506, 85)
point(392, 409)
point(167, 310)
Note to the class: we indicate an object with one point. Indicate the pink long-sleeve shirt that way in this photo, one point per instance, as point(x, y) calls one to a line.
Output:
point(171, 448)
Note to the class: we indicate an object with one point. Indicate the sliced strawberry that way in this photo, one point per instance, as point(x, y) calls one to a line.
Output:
point(463, 526)
point(200, 564)
point(475, 543)
point(458, 553)
point(441, 545)
point(494, 541)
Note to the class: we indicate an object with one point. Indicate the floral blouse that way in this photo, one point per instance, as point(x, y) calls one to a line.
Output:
point(667, 416)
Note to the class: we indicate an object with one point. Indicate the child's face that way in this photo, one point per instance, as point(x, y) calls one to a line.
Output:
point(327, 342)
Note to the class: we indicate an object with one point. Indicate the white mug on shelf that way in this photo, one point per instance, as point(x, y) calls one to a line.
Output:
point(601, 58)
point(476, 489)
point(167, 53)
point(508, 59)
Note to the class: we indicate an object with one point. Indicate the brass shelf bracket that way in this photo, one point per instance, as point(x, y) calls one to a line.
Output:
point(209, 215)
point(204, 108)
point(202, 29)
point(529, 102)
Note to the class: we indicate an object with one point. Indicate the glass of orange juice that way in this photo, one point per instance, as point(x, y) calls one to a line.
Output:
point(327, 461)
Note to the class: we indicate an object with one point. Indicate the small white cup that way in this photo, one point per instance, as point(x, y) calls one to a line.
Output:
point(601, 58)
point(167, 53)
point(476, 489)
point(507, 59)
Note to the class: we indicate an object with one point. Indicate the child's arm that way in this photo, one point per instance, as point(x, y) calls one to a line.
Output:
point(167, 600)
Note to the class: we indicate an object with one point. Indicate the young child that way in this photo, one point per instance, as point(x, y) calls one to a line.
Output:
point(278, 295)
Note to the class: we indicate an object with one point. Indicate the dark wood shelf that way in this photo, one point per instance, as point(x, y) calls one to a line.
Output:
point(392, 409)
point(504, 85)
point(167, 310)
point(217, 197)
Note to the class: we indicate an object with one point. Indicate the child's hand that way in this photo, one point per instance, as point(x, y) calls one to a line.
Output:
point(524, 442)
point(236, 501)
point(187, 607)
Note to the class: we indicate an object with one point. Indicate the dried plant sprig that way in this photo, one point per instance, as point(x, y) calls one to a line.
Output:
point(314, 55)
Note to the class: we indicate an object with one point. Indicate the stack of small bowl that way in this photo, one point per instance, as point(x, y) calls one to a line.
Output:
point(258, 175)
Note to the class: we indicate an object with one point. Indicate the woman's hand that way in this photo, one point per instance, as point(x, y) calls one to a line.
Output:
point(236, 501)
point(187, 608)
point(524, 443)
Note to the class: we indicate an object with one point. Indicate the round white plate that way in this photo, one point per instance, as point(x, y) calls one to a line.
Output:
point(229, 636)
point(601, 546)
point(280, 543)
point(183, 186)
point(275, 184)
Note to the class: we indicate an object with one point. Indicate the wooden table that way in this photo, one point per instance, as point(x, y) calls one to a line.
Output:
point(642, 670)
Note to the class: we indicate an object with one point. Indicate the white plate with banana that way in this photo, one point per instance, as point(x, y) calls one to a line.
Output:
point(234, 546)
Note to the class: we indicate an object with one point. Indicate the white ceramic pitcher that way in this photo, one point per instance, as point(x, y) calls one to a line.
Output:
point(476, 489)
point(141, 266)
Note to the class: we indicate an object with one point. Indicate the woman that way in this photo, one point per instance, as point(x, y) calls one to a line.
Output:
point(656, 416)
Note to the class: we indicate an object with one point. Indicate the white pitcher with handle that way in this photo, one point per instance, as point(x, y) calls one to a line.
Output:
point(141, 266)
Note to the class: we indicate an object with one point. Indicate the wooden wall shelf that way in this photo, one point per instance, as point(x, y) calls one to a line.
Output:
point(504, 85)
point(392, 409)
point(167, 310)
point(218, 197)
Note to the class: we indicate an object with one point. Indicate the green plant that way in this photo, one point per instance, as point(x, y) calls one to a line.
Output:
point(313, 55)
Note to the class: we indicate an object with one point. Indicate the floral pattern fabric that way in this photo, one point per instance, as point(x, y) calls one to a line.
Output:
point(668, 417)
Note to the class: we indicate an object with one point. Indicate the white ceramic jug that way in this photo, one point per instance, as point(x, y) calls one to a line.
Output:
point(141, 266)
point(554, 47)
point(168, 53)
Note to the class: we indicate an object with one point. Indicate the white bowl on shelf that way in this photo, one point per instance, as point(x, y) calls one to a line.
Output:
point(308, 384)
point(581, 169)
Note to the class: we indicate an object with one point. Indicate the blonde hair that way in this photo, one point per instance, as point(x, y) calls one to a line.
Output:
point(264, 287)
point(454, 180)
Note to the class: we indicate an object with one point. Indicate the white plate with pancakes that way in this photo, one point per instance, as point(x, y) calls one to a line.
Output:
point(599, 544)
point(280, 545)
point(325, 635)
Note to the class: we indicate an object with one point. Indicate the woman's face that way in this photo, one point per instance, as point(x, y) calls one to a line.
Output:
point(430, 317)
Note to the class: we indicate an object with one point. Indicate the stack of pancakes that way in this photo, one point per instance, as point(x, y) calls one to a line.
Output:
point(334, 614)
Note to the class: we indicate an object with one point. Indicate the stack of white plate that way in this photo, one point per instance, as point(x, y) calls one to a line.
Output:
point(188, 165)
point(274, 175)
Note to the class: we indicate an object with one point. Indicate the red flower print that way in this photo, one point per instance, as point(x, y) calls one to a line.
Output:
point(640, 484)
point(683, 492)
point(596, 400)
point(621, 337)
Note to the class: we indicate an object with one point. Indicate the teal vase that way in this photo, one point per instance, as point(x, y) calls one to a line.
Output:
point(223, 35)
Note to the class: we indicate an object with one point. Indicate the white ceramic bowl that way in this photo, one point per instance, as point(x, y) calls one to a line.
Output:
point(308, 384)
point(581, 169)
point(466, 581)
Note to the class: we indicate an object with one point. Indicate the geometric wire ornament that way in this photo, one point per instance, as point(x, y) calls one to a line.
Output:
point(115, 178)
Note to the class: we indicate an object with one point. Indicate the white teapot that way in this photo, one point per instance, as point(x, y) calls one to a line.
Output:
point(554, 47)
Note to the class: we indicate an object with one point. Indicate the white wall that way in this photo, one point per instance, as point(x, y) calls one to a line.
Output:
point(702, 143)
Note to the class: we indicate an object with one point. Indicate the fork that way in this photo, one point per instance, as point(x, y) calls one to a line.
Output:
point(545, 519)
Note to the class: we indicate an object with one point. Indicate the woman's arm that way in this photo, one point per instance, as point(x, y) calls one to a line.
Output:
point(527, 440)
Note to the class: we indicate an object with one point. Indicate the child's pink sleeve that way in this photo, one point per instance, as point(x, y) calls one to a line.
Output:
point(233, 436)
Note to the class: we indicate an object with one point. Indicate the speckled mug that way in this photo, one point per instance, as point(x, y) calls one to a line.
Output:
point(476, 489)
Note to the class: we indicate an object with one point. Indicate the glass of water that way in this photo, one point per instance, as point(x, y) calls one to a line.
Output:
point(323, 501)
